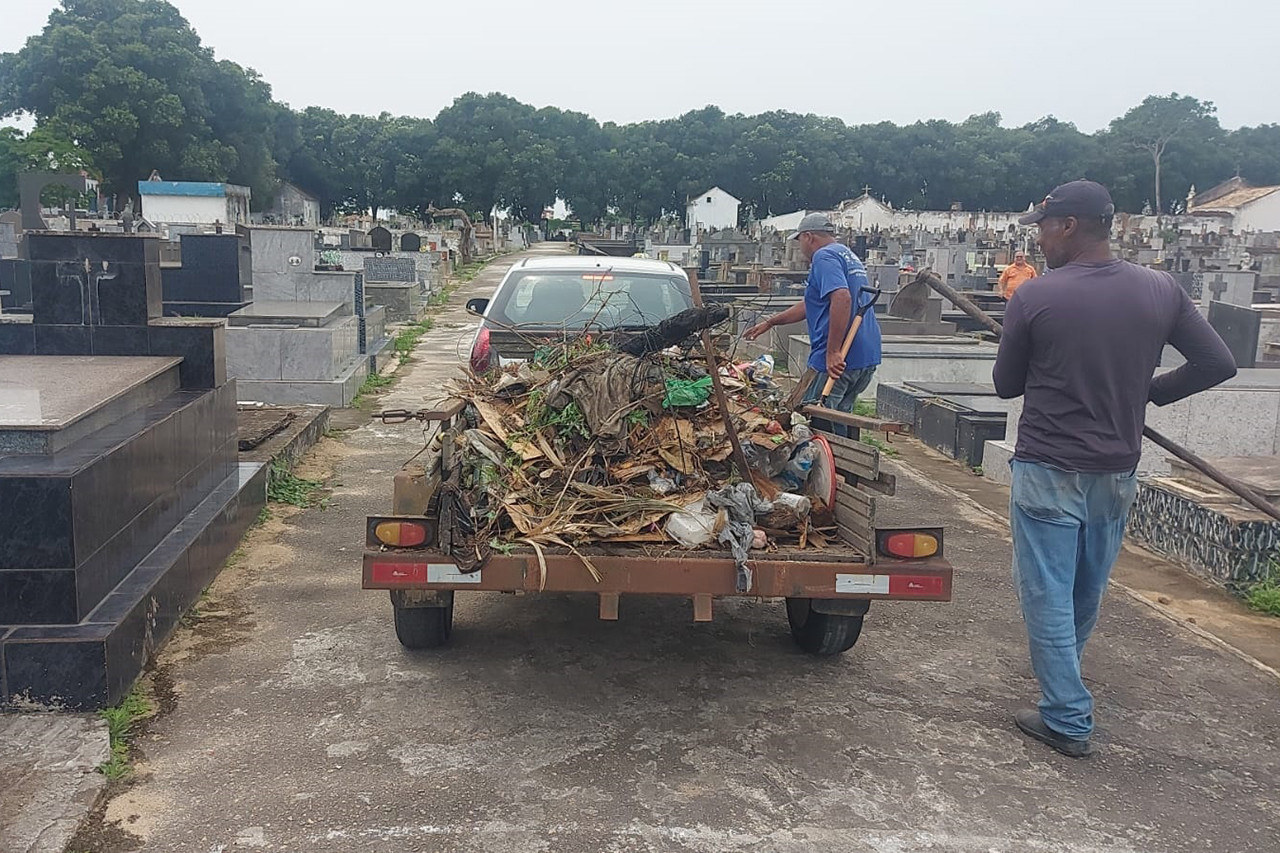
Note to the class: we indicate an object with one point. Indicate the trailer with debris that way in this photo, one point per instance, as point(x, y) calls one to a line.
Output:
point(591, 469)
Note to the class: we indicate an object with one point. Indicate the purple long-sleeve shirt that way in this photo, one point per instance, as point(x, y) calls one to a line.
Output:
point(1082, 342)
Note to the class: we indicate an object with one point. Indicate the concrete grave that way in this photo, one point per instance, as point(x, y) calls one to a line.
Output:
point(121, 493)
point(1235, 287)
point(15, 285)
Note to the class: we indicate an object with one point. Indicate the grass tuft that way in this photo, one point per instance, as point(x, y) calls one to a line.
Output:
point(1264, 596)
point(283, 486)
point(121, 722)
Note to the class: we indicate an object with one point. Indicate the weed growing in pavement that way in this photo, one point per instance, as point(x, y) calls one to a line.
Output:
point(880, 445)
point(121, 720)
point(375, 382)
point(407, 338)
point(264, 515)
point(283, 486)
point(865, 408)
point(1264, 596)
point(194, 613)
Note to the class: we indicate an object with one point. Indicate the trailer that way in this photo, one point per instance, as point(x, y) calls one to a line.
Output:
point(828, 592)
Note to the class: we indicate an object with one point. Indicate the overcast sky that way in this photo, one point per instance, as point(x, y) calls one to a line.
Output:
point(1085, 61)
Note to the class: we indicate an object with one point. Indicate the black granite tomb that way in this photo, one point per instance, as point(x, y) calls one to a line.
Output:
point(15, 285)
point(121, 492)
point(1240, 328)
point(380, 239)
point(207, 284)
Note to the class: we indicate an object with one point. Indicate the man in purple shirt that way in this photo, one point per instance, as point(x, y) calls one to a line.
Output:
point(1081, 344)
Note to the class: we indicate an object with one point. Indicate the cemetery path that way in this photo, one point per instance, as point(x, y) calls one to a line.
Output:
point(296, 722)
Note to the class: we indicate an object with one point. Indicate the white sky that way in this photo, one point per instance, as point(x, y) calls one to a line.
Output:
point(860, 60)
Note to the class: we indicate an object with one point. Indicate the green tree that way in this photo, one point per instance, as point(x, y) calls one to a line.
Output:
point(130, 82)
point(1155, 124)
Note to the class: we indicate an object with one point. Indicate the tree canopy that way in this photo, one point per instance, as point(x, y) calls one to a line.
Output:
point(129, 85)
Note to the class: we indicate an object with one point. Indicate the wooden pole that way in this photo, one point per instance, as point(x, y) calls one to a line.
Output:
point(722, 402)
point(1223, 479)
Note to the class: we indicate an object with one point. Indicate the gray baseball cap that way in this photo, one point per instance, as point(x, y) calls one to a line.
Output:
point(815, 222)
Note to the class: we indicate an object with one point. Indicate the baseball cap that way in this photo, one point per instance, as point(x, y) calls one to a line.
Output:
point(815, 222)
point(1081, 199)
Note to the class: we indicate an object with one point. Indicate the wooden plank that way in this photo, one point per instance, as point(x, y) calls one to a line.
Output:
point(857, 421)
point(885, 484)
point(867, 513)
point(846, 517)
point(855, 494)
point(854, 538)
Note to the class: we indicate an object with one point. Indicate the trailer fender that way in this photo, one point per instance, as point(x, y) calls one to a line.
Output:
point(840, 606)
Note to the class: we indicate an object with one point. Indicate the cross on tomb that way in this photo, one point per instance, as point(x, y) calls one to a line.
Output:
point(1217, 287)
point(866, 190)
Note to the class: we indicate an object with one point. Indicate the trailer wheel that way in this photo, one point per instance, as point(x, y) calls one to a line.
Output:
point(825, 634)
point(423, 627)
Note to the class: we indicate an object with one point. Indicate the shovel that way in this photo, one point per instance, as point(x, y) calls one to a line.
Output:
point(853, 333)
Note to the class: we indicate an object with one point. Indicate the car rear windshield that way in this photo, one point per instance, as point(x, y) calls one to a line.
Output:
point(603, 299)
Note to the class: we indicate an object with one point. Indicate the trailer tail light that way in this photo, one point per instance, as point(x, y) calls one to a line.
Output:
point(400, 534)
point(481, 351)
point(909, 544)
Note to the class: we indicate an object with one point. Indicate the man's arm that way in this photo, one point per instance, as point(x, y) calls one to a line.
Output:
point(1014, 355)
point(1209, 361)
point(1003, 283)
point(794, 314)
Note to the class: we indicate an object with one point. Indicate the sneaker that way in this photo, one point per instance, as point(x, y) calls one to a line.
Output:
point(1029, 720)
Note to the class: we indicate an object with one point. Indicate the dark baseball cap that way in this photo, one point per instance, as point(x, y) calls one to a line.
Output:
point(815, 222)
point(1081, 199)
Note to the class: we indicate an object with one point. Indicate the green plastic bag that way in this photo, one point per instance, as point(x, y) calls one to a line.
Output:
point(687, 392)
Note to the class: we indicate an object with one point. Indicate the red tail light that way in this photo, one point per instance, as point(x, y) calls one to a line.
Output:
point(909, 544)
point(481, 352)
point(401, 534)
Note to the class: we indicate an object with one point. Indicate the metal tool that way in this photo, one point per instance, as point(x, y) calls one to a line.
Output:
point(1223, 479)
point(859, 313)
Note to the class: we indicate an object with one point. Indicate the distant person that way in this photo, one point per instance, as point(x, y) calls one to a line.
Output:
point(836, 279)
point(1015, 275)
point(1080, 344)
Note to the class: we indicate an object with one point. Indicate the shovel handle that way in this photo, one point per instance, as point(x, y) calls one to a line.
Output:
point(853, 333)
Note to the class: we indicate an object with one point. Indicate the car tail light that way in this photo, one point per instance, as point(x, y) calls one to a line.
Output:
point(401, 534)
point(481, 351)
point(909, 544)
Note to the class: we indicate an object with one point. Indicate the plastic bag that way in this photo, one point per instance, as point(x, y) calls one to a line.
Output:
point(687, 392)
point(694, 525)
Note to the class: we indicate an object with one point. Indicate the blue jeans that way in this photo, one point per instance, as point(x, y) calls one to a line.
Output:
point(843, 394)
point(1067, 530)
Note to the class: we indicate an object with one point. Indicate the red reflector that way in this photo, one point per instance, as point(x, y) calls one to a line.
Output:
point(915, 585)
point(910, 545)
point(398, 574)
point(400, 534)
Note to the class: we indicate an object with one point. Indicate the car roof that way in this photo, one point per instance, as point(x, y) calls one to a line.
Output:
point(577, 263)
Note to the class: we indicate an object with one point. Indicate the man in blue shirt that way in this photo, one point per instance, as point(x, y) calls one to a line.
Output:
point(836, 279)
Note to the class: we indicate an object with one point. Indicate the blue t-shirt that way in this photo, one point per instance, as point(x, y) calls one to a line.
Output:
point(835, 266)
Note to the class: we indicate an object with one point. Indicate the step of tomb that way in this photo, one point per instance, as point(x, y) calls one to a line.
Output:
point(91, 664)
point(73, 522)
point(293, 353)
point(338, 392)
point(48, 403)
point(296, 314)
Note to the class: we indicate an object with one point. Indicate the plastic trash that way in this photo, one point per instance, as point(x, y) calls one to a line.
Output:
point(759, 539)
point(762, 367)
point(687, 392)
point(694, 525)
point(661, 485)
point(796, 472)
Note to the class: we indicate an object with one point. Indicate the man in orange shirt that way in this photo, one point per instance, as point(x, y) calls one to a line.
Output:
point(1015, 275)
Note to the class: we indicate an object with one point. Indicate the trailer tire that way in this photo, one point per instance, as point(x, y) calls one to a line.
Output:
point(423, 627)
point(824, 634)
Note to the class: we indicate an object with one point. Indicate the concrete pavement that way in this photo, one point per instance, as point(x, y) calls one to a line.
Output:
point(297, 723)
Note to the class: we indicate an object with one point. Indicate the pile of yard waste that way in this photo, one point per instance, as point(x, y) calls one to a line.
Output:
point(593, 441)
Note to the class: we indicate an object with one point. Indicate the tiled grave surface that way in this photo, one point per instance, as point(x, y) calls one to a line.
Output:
point(124, 500)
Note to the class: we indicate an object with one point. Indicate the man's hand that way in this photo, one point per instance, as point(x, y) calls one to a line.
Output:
point(757, 330)
point(835, 364)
